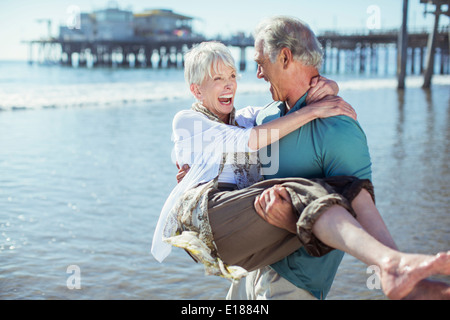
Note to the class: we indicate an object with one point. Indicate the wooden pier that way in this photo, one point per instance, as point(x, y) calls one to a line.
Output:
point(142, 52)
point(159, 38)
point(360, 52)
point(363, 52)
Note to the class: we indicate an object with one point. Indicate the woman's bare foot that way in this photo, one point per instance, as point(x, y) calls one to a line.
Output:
point(429, 290)
point(399, 277)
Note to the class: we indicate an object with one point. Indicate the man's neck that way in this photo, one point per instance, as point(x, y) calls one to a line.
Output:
point(301, 80)
point(291, 101)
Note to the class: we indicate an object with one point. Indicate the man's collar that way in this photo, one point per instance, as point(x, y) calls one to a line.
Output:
point(298, 105)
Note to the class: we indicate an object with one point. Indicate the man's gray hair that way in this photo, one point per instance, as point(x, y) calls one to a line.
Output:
point(288, 32)
point(203, 58)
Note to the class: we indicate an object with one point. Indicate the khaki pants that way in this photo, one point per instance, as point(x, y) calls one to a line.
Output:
point(266, 284)
point(244, 239)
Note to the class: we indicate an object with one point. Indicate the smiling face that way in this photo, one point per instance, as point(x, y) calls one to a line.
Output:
point(270, 72)
point(216, 92)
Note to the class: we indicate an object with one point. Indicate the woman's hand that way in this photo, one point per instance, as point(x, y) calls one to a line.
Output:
point(323, 96)
point(182, 172)
point(321, 87)
point(331, 106)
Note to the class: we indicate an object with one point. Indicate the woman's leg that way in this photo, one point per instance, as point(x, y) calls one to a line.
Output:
point(361, 195)
point(399, 272)
point(370, 219)
point(241, 237)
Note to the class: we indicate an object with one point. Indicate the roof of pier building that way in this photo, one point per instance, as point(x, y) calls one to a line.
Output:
point(161, 21)
point(116, 24)
point(166, 13)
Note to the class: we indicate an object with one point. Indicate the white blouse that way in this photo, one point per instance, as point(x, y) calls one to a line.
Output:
point(201, 143)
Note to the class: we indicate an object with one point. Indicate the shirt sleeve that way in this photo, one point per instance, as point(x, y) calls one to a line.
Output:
point(345, 151)
point(246, 117)
point(198, 139)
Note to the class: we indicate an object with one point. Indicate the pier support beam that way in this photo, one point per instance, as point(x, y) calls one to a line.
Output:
point(242, 63)
point(125, 57)
point(386, 59)
point(148, 57)
point(431, 48)
point(421, 60)
point(162, 53)
point(338, 60)
point(373, 58)
point(402, 48)
point(362, 58)
point(413, 60)
point(30, 53)
point(69, 58)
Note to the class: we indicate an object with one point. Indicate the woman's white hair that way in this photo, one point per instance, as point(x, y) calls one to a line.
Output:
point(203, 58)
point(288, 32)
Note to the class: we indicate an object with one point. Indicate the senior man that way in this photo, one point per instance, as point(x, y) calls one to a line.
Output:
point(289, 56)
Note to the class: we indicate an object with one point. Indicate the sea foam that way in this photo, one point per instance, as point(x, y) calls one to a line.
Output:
point(40, 96)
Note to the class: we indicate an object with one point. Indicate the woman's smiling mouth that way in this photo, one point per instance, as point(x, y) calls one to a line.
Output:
point(226, 99)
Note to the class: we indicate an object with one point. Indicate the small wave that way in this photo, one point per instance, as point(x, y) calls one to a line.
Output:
point(97, 94)
point(42, 96)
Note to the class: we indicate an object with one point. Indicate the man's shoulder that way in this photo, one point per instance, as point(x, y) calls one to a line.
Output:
point(339, 125)
point(273, 105)
point(270, 112)
point(338, 120)
point(343, 145)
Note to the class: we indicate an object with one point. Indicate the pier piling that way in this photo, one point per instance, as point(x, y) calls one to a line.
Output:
point(431, 48)
point(402, 48)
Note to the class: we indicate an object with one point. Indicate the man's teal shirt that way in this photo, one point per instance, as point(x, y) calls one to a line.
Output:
point(321, 148)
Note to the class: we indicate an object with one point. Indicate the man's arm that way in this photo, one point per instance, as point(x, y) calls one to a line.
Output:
point(342, 148)
point(345, 151)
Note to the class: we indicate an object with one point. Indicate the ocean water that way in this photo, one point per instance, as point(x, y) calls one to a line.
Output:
point(85, 167)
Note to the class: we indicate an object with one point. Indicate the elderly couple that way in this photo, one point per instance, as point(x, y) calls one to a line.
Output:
point(280, 235)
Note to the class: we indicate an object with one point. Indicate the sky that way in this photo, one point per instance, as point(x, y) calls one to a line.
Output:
point(19, 19)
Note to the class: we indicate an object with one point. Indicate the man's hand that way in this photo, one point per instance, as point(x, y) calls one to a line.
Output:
point(182, 172)
point(275, 206)
point(321, 87)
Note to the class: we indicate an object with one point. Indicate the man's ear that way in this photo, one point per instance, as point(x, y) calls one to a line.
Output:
point(286, 57)
point(195, 91)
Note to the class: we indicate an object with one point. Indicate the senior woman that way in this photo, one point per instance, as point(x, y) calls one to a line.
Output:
point(211, 212)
